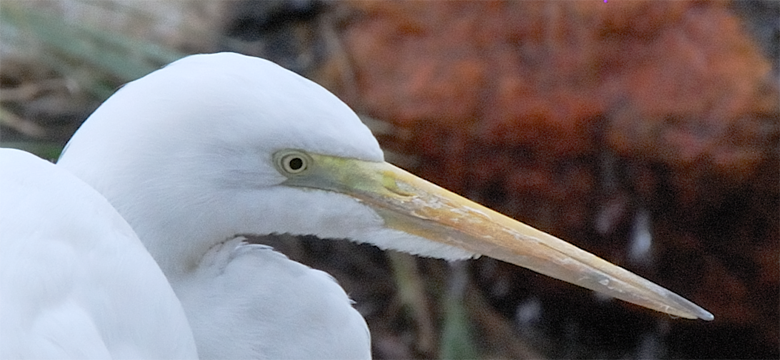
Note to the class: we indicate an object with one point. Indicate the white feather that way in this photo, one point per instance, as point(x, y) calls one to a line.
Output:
point(75, 281)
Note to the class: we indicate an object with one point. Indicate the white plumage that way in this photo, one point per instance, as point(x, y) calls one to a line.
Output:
point(218, 146)
point(75, 281)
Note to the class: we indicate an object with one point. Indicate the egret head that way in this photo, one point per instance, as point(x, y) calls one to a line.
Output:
point(214, 146)
point(204, 149)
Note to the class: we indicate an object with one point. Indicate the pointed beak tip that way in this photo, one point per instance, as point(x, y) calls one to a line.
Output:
point(706, 315)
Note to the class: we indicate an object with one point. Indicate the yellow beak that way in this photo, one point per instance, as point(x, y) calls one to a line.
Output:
point(415, 206)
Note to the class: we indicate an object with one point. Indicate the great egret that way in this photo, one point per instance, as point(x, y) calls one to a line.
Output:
point(217, 146)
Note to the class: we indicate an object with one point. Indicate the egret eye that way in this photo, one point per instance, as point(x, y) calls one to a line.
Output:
point(292, 162)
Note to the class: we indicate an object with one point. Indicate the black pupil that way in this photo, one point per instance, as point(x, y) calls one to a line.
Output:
point(295, 163)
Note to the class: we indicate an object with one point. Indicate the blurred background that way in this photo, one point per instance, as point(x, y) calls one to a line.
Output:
point(647, 132)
